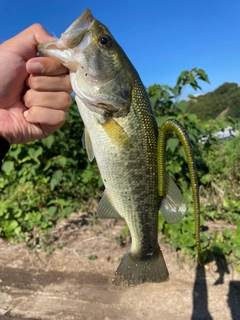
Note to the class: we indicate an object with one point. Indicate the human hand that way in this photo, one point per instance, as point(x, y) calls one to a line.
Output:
point(34, 91)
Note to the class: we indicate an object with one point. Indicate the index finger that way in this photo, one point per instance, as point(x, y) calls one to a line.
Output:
point(45, 66)
point(25, 43)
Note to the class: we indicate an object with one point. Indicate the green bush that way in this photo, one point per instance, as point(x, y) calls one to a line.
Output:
point(166, 105)
point(218, 170)
point(45, 180)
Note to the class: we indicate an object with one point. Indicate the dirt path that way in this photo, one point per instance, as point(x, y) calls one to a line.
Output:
point(75, 283)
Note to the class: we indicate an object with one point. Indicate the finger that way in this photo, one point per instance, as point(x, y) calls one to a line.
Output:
point(49, 119)
point(45, 116)
point(43, 83)
point(52, 100)
point(45, 66)
point(25, 43)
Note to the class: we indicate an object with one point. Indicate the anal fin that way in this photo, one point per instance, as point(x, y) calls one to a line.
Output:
point(106, 209)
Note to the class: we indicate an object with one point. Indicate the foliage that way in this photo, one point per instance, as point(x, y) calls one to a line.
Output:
point(220, 197)
point(215, 168)
point(222, 102)
point(223, 161)
point(181, 235)
point(166, 105)
point(219, 191)
point(44, 181)
point(215, 244)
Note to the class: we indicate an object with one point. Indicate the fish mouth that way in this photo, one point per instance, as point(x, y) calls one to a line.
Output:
point(72, 36)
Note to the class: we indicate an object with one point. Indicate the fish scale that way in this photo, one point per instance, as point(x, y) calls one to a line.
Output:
point(130, 179)
point(121, 133)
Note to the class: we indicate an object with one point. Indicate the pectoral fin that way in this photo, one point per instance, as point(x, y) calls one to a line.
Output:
point(117, 134)
point(173, 206)
point(106, 209)
point(87, 144)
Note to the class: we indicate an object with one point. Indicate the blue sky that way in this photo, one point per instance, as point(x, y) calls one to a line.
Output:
point(161, 38)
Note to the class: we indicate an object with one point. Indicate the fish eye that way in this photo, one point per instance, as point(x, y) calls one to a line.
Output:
point(105, 41)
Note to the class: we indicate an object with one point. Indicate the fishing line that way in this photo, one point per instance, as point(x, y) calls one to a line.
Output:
point(54, 35)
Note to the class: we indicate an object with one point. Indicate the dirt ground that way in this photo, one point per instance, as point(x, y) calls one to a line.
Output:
point(75, 282)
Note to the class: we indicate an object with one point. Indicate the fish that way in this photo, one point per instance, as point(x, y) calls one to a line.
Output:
point(121, 133)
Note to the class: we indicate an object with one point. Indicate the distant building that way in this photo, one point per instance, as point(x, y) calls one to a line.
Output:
point(227, 133)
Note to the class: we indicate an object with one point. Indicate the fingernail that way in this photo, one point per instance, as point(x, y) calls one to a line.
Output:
point(34, 67)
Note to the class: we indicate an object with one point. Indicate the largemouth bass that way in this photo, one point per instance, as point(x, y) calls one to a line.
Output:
point(121, 133)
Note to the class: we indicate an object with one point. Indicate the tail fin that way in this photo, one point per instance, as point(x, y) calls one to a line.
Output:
point(132, 272)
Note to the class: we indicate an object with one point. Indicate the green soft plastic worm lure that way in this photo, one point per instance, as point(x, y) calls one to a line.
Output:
point(174, 125)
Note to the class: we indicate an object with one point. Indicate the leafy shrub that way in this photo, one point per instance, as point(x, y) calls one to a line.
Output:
point(166, 105)
point(44, 181)
point(217, 169)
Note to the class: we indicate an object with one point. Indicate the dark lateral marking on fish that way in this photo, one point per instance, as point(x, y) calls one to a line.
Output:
point(116, 133)
point(177, 127)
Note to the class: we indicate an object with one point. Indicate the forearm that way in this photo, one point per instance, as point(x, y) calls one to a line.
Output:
point(4, 147)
